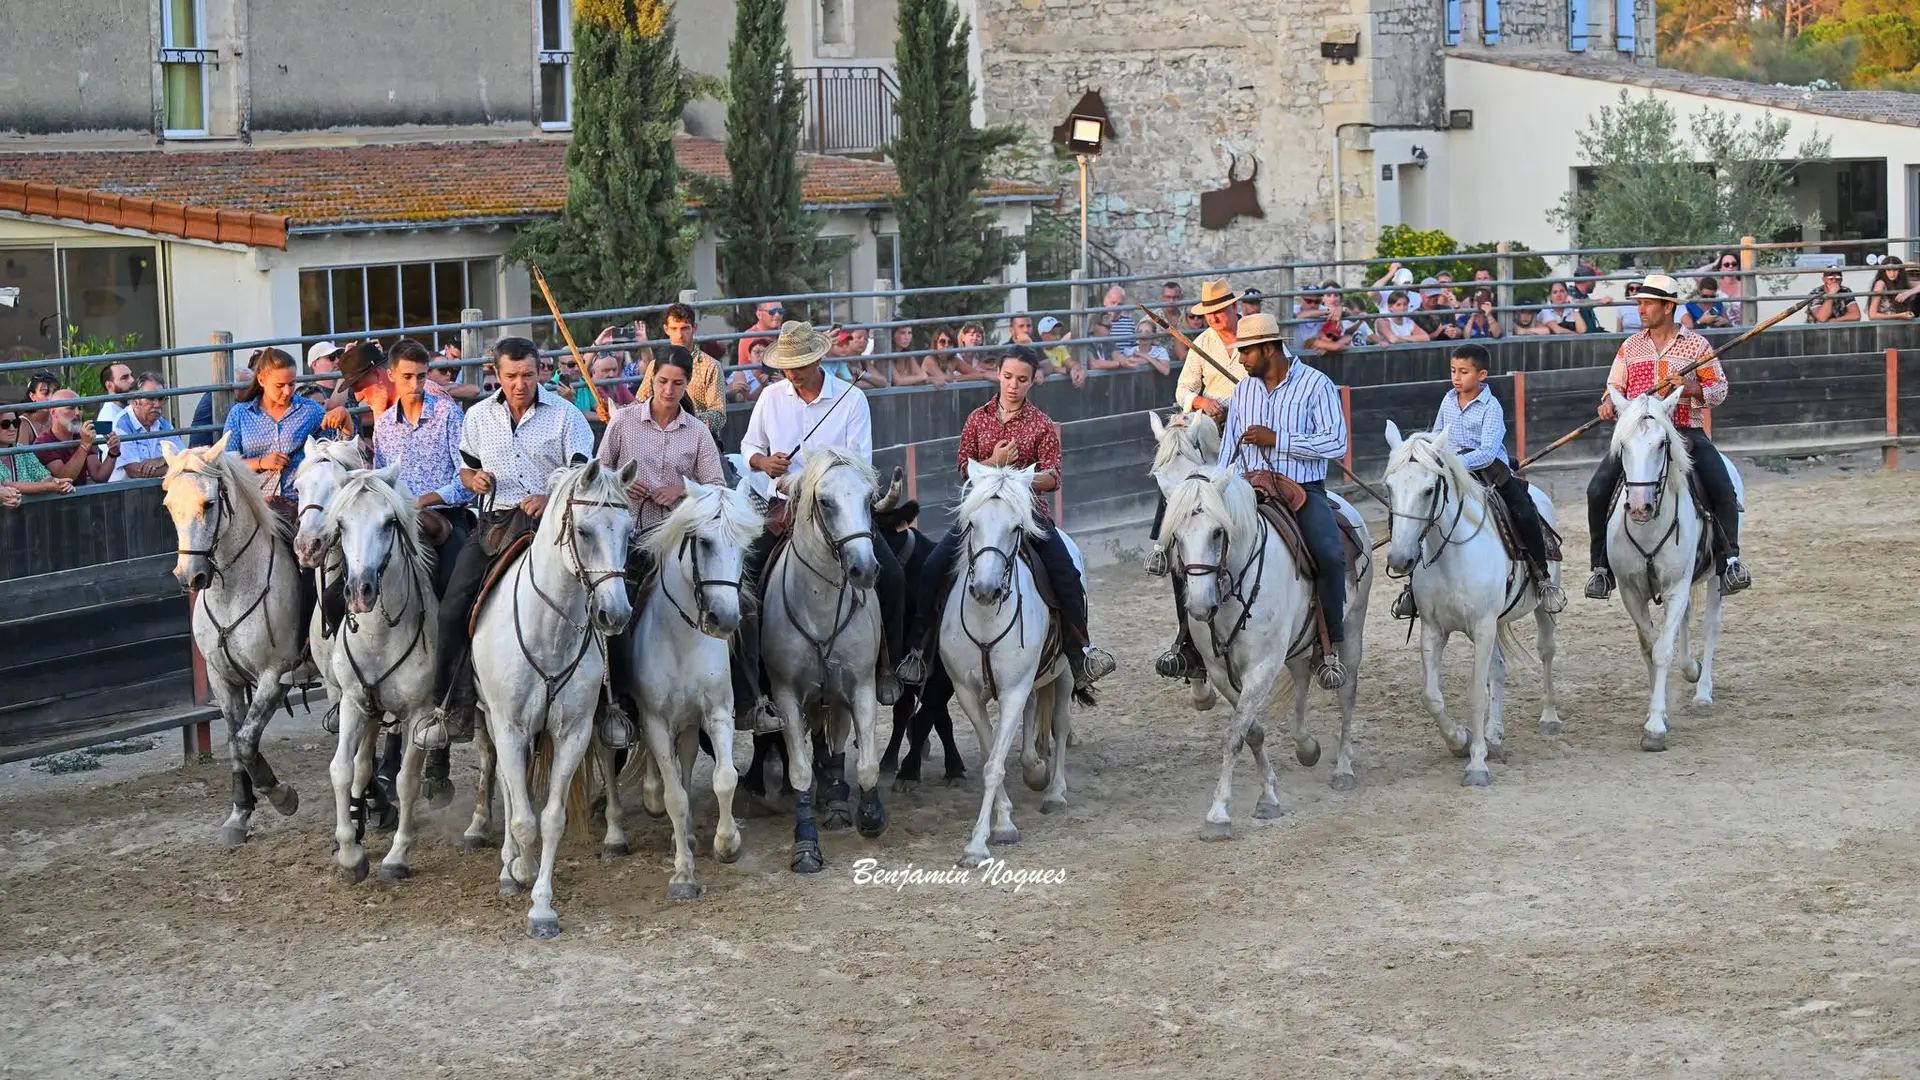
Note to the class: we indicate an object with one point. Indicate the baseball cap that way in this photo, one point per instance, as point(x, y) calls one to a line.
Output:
point(1251, 296)
point(1048, 325)
point(1403, 276)
point(319, 349)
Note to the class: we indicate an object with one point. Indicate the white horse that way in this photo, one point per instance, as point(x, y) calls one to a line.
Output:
point(539, 656)
point(232, 547)
point(1443, 534)
point(1188, 440)
point(993, 637)
point(679, 661)
point(821, 635)
point(1249, 609)
point(382, 660)
point(1657, 544)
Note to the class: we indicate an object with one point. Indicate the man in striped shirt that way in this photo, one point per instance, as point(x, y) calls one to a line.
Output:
point(1644, 362)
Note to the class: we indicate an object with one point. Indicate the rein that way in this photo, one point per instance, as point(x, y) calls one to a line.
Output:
point(1019, 608)
point(416, 593)
point(1672, 531)
point(219, 573)
point(700, 584)
point(1449, 536)
point(1254, 570)
point(823, 647)
point(588, 580)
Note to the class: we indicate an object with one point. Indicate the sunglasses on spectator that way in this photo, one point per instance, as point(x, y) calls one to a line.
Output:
point(9, 424)
point(1727, 264)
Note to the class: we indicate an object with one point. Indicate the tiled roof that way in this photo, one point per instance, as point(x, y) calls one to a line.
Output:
point(420, 183)
point(1874, 106)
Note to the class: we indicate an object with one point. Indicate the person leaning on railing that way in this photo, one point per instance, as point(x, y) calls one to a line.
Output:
point(142, 458)
point(22, 474)
point(1835, 301)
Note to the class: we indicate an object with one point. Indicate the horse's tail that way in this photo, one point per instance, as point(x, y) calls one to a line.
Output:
point(579, 793)
point(1509, 638)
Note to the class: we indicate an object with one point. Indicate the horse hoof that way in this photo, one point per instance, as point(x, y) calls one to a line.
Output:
point(1552, 726)
point(683, 890)
point(1459, 751)
point(284, 799)
point(956, 780)
point(1345, 781)
point(1477, 778)
point(727, 855)
point(1035, 774)
point(1653, 743)
point(615, 851)
point(873, 821)
point(1308, 753)
point(389, 819)
point(1053, 804)
point(1073, 738)
point(469, 843)
point(543, 928)
point(1703, 703)
point(522, 870)
point(806, 858)
point(1497, 751)
point(1691, 670)
point(394, 872)
point(1267, 811)
point(233, 835)
point(1216, 830)
point(439, 793)
point(903, 786)
point(510, 887)
point(1008, 835)
point(836, 816)
point(356, 873)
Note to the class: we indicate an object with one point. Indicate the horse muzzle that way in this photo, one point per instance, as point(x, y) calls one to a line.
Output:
point(1398, 563)
point(719, 624)
point(862, 569)
point(309, 550)
point(989, 593)
point(193, 573)
point(611, 617)
point(362, 596)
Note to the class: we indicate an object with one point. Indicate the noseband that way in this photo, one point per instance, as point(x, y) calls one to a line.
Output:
point(1448, 536)
point(691, 551)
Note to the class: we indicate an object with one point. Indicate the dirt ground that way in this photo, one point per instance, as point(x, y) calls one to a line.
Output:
point(1741, 906)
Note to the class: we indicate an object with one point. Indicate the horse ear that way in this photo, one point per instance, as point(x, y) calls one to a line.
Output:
point(1159, 428)
point(1393, 436)
point(312, 449)
point(1619, 399)
point(976, 469)
point(1206, 432)
point(171, 455)
point(390, 475)
point(1028, 473)
point(626, 474)
point(217, 448)
point(592, 474)
point(695, 488)
point(1670, 399)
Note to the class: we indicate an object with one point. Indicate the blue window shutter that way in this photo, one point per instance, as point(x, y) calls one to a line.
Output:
point(1453, 22)
point(1623, 27)
point(1577, 25)
point(1490, 21)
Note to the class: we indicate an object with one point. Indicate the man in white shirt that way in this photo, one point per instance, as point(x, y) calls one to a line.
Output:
point(810, 408)
point(1203, 386)
point(116, 379)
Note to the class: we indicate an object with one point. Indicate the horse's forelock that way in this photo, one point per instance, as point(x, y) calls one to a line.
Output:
point(740, 524)
point(367, 487)
point(242, 488)
point(1219, 494)
point(819, 463)
point(1429, 451)
point(1001, 486)
point(1631, 420)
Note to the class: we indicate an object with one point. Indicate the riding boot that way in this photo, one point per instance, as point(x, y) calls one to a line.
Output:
point(1321, 530)
point(436, 782)
point(930, 594)
point(452, 719)
point(1725, 504)
point(890, 589)
point(1182, 660)
point(1600, 491)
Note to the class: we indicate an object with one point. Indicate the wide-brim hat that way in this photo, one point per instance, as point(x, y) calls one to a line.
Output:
point(1659, 287)
point(1215, 295)
point(799, 345)
point(359, 358)
point(1256, 329)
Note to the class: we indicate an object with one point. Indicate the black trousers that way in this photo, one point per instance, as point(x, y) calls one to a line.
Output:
point(1054, 556)
point(1526, 517)
point(1713, 476)
point(890, 589)
point(456, 604)
point(459, 530)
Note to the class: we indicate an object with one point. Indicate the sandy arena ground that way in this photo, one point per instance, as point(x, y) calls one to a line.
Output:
point(1741, 906)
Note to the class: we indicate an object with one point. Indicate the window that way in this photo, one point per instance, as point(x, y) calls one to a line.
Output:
point(184, 59)
point(833, 28)
point(1623, 25)
point(104, 292)
point(839, 279)
point(354, 300)
point(556, 64)
point(886, 258)
point(1576, 25)
point(1490, 22)
point(1453, 22)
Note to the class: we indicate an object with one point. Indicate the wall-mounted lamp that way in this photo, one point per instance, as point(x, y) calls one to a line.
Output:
point(873, 220)
point(1419, 157)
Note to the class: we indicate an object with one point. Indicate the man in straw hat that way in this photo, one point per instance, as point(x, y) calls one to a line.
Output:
point(1642, 362)
point(1202, 386)
point(806, 409)
point(1285, 417)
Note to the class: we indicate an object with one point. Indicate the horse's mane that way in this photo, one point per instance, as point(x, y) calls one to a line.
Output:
point(366, 485)
point(567, 483)
point(345, 453)
point(818, 463)
point(996, 484)
point(734, 511)
point(1220, 494)
point(1429, 450)
point(241, 486)
point(1643, 408)
point(1187, 441)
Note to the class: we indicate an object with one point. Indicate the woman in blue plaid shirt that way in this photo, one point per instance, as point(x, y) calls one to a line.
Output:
point(268, 426)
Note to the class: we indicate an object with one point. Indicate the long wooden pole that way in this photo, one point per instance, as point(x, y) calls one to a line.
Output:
point(1672, 379)
point(586, 372)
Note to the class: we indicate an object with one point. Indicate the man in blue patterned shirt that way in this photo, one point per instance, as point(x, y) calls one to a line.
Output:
point(422, 432)
point(1476, 429)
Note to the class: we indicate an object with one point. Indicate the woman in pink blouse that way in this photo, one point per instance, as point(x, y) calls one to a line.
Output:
point(663, 436)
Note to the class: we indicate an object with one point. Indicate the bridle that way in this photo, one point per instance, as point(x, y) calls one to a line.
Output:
point(1242, 588)
point(225, 632)
point(417, 602)
point(1436, 511)
point(1672, 531)
point(1008, 586)
point(690, 550)
point(823, 647)
point(588, 580)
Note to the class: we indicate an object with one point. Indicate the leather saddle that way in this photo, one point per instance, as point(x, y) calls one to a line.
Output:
point(496, 570)
point(1510, 536)
point(1280, 500)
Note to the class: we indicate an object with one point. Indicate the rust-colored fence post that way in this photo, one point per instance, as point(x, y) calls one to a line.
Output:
point(913, 472)
point(1890, 457)
point(1346, 413)
point(1749, 287)
point(1520, 415)
point(196, 741)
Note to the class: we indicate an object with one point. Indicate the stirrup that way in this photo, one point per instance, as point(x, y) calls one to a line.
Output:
point(766, 720)
point(1156, 561)
point(886, 688)
point(330, 723)
point(616, 730)
point(1736, 576)
point(913, 669)
point(1553, 599)
point(1100, 663)
point(1404, 606)
point(1600, 585)
point(1332, 674)
point(432, 734)
point(1180, 662)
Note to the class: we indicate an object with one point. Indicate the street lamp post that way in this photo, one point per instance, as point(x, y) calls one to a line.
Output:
point(1085, 134)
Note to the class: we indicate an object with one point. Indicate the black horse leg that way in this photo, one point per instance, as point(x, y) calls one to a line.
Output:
point(383, 795)
point(903, 713)
point(934, 711)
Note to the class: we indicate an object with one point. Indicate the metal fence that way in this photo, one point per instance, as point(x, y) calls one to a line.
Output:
point(1768, 280)
point(849, 110)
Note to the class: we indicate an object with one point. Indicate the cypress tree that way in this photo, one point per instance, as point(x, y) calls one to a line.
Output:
point(946, 232)
point(768, 244)
point(623, 237)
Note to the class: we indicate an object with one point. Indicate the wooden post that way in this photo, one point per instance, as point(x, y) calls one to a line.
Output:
point(1749, 307)
point(222, 376)
point(1503, 294)
point(1346, 413)
point(1520, 416)
point(1890, 456)
point(473, 345)
point(913, 472)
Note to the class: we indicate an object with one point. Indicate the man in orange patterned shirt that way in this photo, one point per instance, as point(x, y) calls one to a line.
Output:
point(1012, 431)
point(1644, 360)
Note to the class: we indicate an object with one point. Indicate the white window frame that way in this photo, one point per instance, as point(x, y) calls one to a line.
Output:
point(472, 265)
point(545, 58)
point(197, 54)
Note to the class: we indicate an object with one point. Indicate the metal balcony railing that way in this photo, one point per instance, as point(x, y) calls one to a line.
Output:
point(849, 110)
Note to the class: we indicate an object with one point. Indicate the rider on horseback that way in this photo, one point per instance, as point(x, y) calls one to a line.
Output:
point(510, 443)
point(811, 408)
point(1286, 418)
point(1476, 430)
point(1009, 431)
point(1644, 361)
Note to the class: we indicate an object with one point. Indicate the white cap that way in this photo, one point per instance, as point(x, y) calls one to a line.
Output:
point(1048, 324)
point(319, 349)
point(1403, 276)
